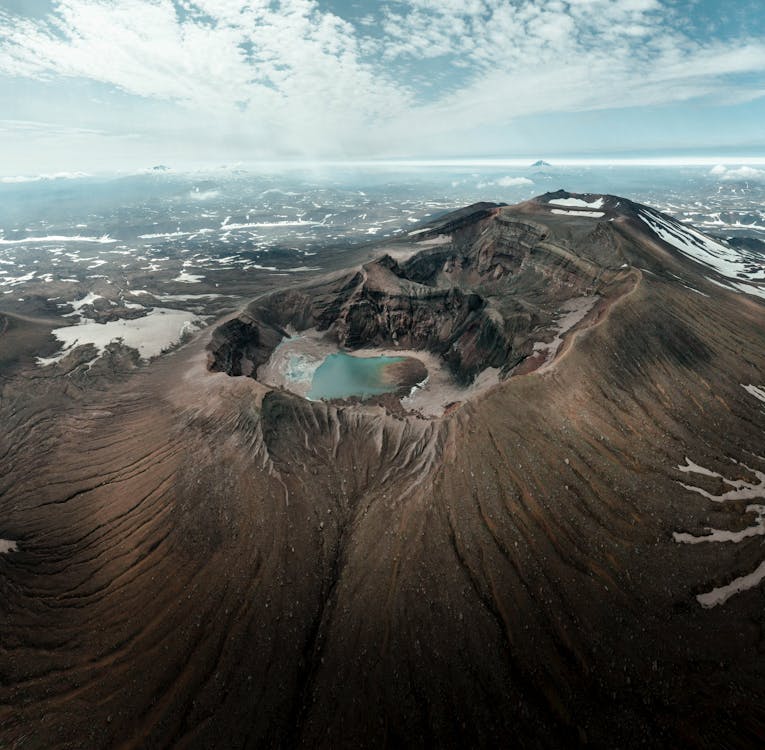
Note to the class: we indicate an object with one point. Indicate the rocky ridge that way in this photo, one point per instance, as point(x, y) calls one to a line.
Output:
point(488, 286)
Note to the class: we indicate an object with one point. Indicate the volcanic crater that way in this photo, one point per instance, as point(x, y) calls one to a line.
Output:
point(555, 541)
point(465, 302)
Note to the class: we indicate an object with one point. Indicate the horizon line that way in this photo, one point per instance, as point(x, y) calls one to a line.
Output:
point(456, 162)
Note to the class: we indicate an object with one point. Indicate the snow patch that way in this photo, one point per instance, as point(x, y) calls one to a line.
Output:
point(14, 280)
point(182, 297)
point(753, 390)
point(741, 489)
point(150, 335)
point(163, 236)
point(103, 240)
point(184, 277)
point(571, 313)
point(577, 202)
point(88, 299)
point(590, 214)
point(257, 225)
point(727, 261)
point(722, 535)
point(721, 594)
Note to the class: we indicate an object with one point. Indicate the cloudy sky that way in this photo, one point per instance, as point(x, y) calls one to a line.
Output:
point(114, 84)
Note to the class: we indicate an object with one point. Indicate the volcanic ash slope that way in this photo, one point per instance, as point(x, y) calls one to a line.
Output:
point(570, 555)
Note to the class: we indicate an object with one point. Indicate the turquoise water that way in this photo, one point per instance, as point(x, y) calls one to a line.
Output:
point(342, 375)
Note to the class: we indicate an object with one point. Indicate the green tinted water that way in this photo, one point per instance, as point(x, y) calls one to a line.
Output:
point(342, 376)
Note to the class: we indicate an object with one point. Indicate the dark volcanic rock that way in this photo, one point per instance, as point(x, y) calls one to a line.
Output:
point(489, 287)
point(240, 346)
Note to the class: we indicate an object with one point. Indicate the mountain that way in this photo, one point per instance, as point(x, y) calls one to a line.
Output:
point(541, 163)
point(557, 537)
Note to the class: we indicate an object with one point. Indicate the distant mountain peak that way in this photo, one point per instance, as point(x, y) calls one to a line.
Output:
point(541, 163)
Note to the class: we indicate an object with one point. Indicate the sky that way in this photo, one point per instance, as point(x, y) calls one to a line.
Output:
point(119, 84)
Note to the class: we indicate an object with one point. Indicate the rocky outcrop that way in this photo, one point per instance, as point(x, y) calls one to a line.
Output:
point(479, 289)
point(241, 345)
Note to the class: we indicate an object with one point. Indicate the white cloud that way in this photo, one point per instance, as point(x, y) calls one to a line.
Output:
point(532, 58)
point(33, 129)
point(514, 181)
point(281, 71)
point(505, 182)
point(203, 195)
point(288, 77)
point(16, 179)
point(738, 174)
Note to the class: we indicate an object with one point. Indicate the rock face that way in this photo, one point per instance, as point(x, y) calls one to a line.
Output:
point(572, 559)
point(482, 287)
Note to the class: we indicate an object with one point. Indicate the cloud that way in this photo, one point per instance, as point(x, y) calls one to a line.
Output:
point(283, 71)
point(738, 174)
point(203, 195)
point(533, 58)
point(33, 129)
point(17, 179)
point(514, 181)
point(505, 182)
point(290, 77)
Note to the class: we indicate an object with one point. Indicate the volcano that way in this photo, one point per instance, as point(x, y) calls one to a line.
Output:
point(547, 531)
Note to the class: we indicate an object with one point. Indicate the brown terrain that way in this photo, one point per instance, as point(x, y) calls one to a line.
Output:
point(569, 556)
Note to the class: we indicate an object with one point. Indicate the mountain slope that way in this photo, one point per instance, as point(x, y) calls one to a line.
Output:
point(572, 556)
